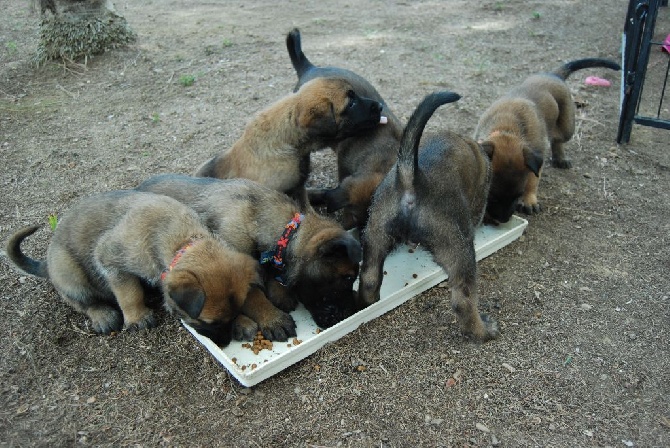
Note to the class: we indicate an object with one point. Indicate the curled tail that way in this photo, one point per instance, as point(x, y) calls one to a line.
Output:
point(300, 62)
point(23, 262)
point(408, 155)
point(578, 64)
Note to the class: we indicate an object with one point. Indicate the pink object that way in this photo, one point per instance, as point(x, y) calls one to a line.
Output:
point(595, 81)
point(666, 44)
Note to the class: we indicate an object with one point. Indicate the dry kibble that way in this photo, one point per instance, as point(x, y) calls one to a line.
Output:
point(259, 343)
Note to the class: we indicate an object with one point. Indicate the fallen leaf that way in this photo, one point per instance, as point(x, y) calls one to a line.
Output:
point(482, 427)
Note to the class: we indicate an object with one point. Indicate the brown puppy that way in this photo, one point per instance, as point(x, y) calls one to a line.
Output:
point(275, 147)
point(315, 259)
point(435, 196)
point(520, 128)
point(363, 159)
point(108, 247)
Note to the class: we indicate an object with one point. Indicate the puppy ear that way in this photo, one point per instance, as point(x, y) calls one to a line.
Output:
point(342, 247)
point(186, 293)
point(533, 159)
point(488, 148)
point(317, 117)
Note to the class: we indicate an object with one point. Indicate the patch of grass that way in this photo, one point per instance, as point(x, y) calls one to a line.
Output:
point(227, 43)
point(27, 107)
point(536, 15)
point(155, 118)
point(11, 47)
point(187, 80)
point(53, 221)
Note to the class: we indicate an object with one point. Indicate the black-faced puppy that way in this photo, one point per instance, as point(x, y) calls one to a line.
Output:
point(108, 246)
point(275, 147)
point(311, 255)
point(435, 196)
point(520, 128)
point(363, 159)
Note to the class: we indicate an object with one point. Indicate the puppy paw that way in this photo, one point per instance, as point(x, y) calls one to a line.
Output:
point(529, 209)
point(280, 328)
point(280, 296)
point(105, 320)
point(147, 321)
point(244, 328)
point(482, 330)
point(561, 163)
point(491, 329)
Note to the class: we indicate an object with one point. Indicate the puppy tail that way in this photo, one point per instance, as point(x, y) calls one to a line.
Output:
point(23, 262)
point(579, 64)
point(300, 62)
point(408, 155)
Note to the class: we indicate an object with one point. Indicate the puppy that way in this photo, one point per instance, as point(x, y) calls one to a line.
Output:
point(108, 247)
point(435, 196)
point(362, 159)
point(314, 259)
point(275, 147)
point(520, 128)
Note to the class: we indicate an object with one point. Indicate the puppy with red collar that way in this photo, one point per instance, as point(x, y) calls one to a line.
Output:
point(107, 248)
point(306, 257)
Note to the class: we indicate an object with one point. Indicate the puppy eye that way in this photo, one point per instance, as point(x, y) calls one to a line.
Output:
point(352, 99)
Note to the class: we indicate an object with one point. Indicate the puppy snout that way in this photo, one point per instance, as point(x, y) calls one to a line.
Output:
point(376, 108)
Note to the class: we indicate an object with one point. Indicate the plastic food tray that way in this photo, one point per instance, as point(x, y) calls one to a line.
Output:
point(409, 271)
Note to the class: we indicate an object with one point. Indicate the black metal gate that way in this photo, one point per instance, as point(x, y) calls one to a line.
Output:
point(636, 46)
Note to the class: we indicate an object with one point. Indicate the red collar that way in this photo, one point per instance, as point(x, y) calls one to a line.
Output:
point(276, 256)
point(177, 257)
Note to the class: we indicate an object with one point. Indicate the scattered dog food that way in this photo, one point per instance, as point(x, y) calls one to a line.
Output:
point(259, 343)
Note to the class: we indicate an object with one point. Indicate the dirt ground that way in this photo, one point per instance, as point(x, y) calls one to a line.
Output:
point(583, 299)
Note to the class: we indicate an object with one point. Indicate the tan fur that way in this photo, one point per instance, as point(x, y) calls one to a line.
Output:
point(321, 259)
point(521, 128)
point(275, 146)
point(435, 196)
point(107, 247)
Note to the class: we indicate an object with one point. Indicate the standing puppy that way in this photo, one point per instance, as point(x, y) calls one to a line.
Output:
point(434, 196)
point(314, 259)
point(275, 147)
point(109, 246)
point(362, 159)
point(520, 128)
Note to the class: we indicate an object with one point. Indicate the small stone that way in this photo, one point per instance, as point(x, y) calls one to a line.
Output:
point(509, 367)
point(482, 427)
point(585, 306)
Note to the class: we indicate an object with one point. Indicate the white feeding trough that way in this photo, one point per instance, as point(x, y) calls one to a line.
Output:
point(409, 272)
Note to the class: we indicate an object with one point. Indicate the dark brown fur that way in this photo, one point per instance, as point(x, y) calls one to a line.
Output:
point(275, 147)
point(520, 128)
point(363, 159)
point(434, 196)
point(108, 247)
point(321, 259)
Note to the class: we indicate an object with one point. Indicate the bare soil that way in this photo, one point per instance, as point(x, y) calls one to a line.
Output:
point(583, 299)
